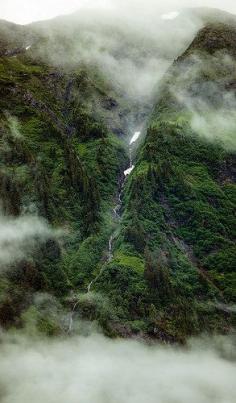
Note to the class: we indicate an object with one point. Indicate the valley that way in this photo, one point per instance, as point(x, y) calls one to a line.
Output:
point(125, 153)
point(118, 202)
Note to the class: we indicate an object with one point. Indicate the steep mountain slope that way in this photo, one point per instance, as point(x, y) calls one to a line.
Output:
point(175, 257)
point(13, 37)
point(168, 270)
point(60, 159)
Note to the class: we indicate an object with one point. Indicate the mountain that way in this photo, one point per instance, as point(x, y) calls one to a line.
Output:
point(150, 254)
point(179, 217)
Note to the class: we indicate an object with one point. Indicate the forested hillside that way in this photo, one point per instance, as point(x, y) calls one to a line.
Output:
point(151, 254)
point(61, 160)
point(178, 232)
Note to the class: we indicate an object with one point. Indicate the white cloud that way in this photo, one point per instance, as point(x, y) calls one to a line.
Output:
point(170, 16)
point(19, 236)
point(133, 47)
point(24, 11)
point(213, 109)
point(94, 369)
point(134, 60)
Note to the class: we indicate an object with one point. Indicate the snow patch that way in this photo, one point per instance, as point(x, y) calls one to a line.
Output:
point(129, 170)
point(170, 16)
point(135, 137)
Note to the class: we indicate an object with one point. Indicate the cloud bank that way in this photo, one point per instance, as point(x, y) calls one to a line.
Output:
point(93, 369)
point(131, 42)
point(132, 47)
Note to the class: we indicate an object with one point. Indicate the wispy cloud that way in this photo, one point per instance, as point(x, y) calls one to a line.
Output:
point(212, 102)
point(20, 236)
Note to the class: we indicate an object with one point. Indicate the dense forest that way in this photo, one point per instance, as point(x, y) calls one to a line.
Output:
point(151, 254)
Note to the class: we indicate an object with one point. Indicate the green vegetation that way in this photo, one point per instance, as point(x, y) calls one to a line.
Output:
point(174, 254)
point(60, 161)
point(179, 215)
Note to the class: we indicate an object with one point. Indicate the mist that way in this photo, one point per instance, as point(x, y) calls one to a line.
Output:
point(20, 236)
point(32, 10)
point(129, 43)
point(132, 48)
point(212, 107)
point(95, 369)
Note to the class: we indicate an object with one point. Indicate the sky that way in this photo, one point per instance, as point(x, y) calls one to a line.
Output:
point(26, 11)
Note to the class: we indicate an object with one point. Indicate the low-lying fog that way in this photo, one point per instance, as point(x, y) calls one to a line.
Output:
point(98, 370)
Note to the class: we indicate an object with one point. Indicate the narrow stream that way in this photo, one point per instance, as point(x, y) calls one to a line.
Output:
point(116, 217)
point(117, 208)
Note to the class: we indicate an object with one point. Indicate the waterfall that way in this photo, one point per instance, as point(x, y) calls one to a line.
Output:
point(117, 208)
point(132, 142)
point(117, 217)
